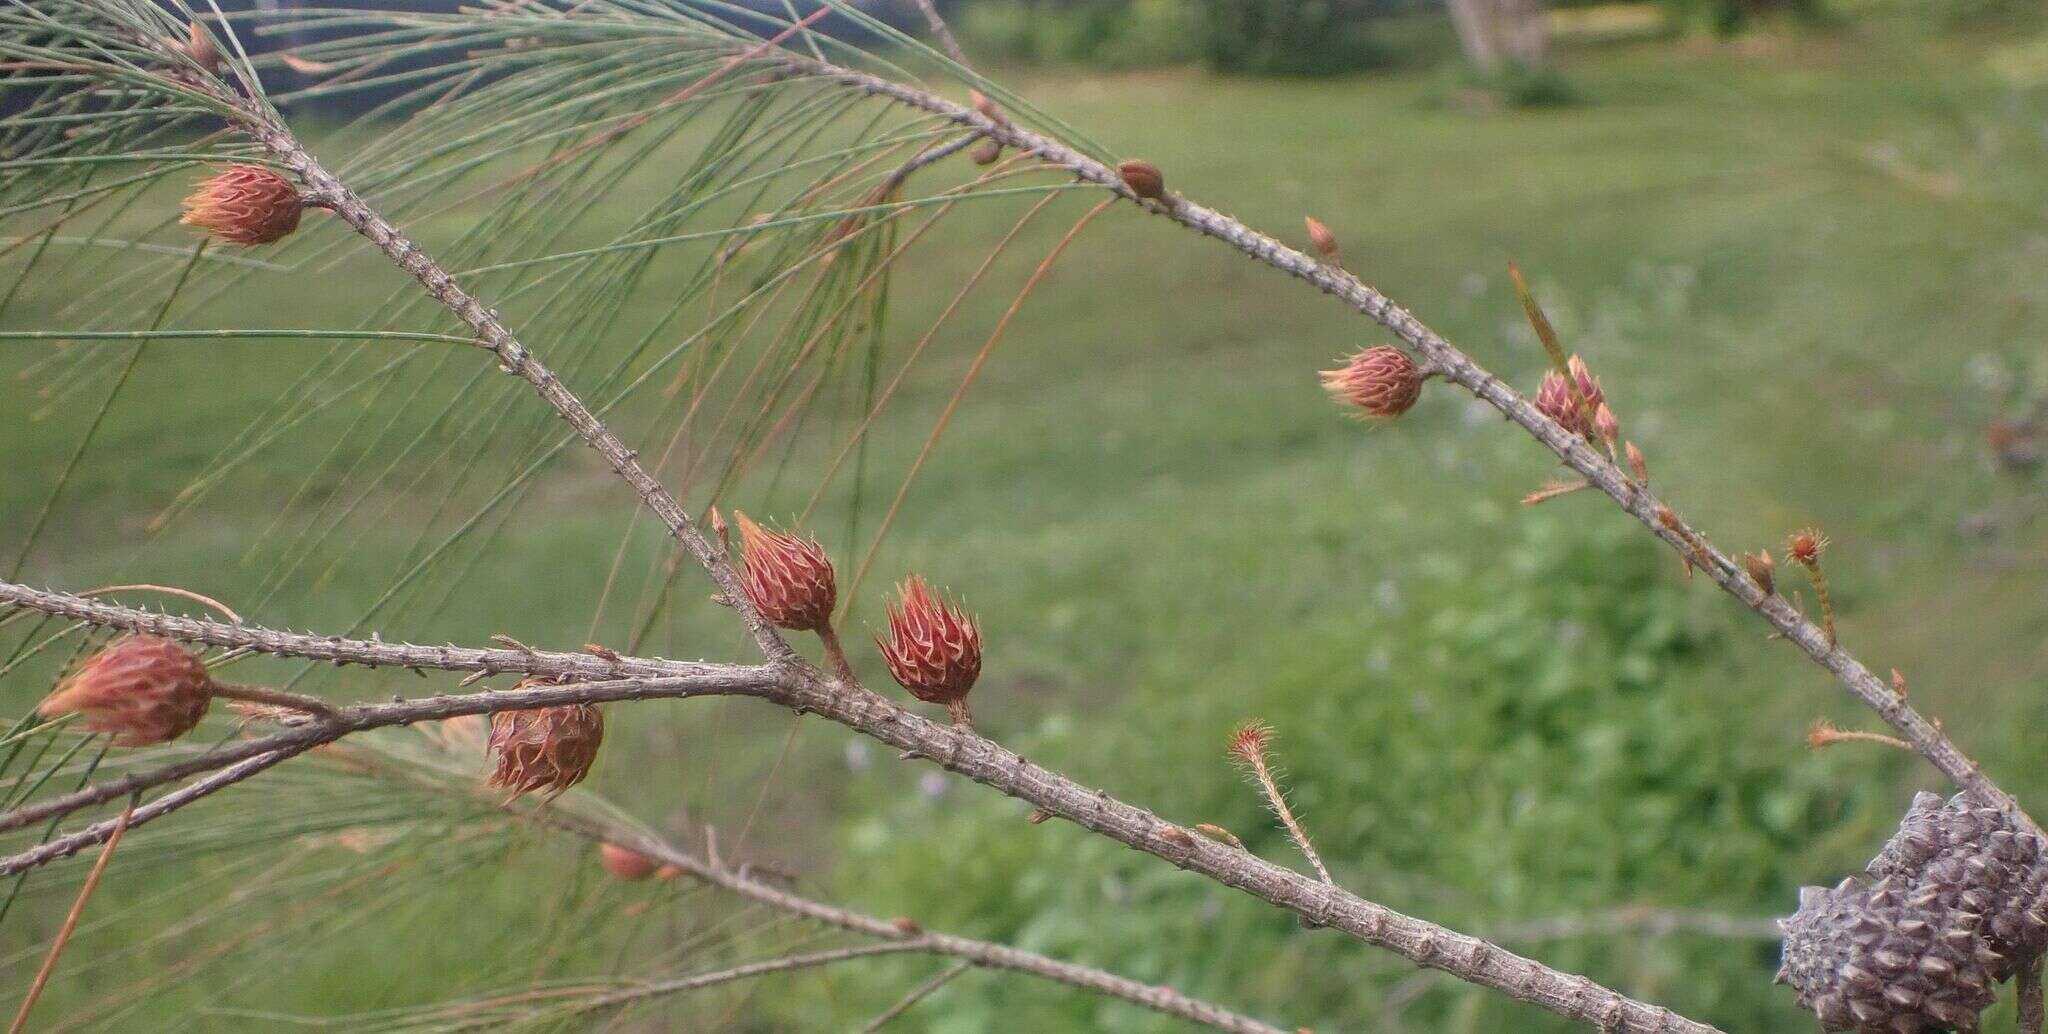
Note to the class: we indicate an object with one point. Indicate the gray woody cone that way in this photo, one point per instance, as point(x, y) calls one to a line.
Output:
point(1959, 902)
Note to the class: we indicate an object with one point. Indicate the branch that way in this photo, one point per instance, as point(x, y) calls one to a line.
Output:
point(960, 750)
point(752, 969)
point(513, 357)
point(943, 32)
point(925, 990)
point(986, 954)
point(1446, 360)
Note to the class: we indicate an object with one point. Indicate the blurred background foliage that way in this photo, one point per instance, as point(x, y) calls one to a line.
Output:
point(1801, 247)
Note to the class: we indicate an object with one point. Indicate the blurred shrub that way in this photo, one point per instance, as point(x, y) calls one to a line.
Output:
point(1255, 37)
point(1287, 37)
point(1727, 17)
point(1520, 86)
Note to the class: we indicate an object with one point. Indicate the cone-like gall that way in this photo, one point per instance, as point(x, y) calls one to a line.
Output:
point(1381, 382)
point(787, 578)
point(933, 649)
point(244, 204)
point(545, 749)
point(143, 689)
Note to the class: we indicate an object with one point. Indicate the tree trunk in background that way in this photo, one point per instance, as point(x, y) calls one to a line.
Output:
point(1495, 33)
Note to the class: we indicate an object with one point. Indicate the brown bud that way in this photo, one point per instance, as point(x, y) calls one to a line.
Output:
point(719, 528)
point(1898, 683)
point(199, 44)
point(548, 749)
point(1381, 381)
point(244, 204)
point(788, 579)
point(1762, 570)
point(1606, 426)
point(668, 872)
point(144, 689)
point(1320, 236)
point(933, 650)
point(906, 926)
point(1637, 464)
point(987, 108)
point(625, 863)
point(985, 153)
point(1144, 179)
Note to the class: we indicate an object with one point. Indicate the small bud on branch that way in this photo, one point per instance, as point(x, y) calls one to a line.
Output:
point(1319, 235)
point(1144, 179)
point(625, 863)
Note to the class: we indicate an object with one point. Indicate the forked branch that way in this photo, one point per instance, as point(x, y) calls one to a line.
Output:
point(805, 689)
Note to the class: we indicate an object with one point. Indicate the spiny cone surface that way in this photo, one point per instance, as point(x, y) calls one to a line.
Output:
point(787, 578)
point(1876, 959)
point(547, 749)
point(933, 650)
point(1973, 860)
point(1382, 382)
point(244, 204)
point(142, 688)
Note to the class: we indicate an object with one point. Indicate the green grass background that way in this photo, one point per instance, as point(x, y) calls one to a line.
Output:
point(1808, 269)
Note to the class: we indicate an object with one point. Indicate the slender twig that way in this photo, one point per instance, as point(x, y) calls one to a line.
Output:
point(926, 990)
point(753, 969)
point(1825, 734)
point(272, 697)
point(1445, 359)
point(943, 32)
point(347, 721)
point(986, 954)
point(49, 966)
point(65, 847)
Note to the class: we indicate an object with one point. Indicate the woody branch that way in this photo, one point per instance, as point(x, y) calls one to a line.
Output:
point(807, 690)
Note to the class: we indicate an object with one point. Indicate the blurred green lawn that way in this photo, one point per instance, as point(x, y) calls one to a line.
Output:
point(1808, 271)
